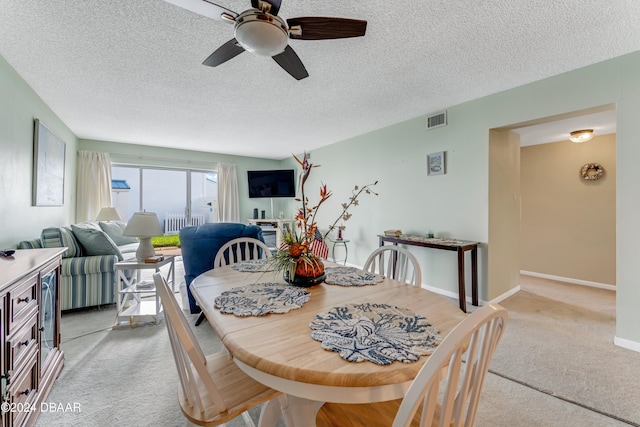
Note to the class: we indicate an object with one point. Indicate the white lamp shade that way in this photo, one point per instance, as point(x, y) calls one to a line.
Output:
point(108, 214)
point(143, 224)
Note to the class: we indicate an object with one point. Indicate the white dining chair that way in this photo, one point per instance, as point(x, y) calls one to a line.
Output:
point(395, 263)
point(212, 389)
point(241, 249)
point(446, 390)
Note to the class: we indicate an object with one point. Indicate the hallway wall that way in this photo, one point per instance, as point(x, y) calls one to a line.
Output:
point(568, 223)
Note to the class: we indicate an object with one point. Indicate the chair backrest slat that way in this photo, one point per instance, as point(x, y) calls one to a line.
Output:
point(464, 354)
point(241, 249)
point(396, 263)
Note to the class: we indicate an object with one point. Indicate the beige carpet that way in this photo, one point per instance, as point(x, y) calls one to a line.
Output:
point(560, 341)
point(557, 349)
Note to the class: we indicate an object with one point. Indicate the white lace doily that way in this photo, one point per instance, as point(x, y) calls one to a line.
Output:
point(350, 276)
point(259, 299)
point(253, 265)
point(379, 333)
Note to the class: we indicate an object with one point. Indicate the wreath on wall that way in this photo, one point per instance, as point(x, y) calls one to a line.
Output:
point(592, 171)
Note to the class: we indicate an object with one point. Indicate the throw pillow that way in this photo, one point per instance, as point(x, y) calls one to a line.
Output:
point(69, 240)
point(96, 242)
point(88, 224)
point(57, 237)
point(114, 230)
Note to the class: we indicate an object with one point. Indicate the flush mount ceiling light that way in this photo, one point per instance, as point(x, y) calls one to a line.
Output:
point(582, 135)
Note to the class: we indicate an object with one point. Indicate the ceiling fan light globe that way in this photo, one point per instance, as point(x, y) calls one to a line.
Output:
point(262, 34)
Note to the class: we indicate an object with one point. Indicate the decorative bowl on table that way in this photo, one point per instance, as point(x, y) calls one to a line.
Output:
point(304, 281)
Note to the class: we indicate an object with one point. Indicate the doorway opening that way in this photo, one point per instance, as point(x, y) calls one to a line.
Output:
point(548, 220)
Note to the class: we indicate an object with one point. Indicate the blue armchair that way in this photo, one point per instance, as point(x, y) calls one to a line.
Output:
point(200, 244)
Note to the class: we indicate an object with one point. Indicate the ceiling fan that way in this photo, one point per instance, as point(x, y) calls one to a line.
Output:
point(261, 31)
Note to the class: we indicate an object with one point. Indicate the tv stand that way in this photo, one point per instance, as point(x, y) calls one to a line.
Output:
point(277, 226)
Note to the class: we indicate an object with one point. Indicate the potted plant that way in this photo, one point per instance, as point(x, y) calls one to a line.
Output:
point(296, 258)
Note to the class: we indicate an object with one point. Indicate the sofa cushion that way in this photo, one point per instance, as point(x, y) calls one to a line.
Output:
point(114, 230)
point(129, 249)
point(96, 242)
point(81, 266)
point(58, 237)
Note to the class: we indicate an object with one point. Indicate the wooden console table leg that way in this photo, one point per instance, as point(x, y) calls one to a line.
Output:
point(461, 292)
point(474, 275)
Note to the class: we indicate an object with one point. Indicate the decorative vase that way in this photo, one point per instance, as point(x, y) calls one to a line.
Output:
point(308, 273)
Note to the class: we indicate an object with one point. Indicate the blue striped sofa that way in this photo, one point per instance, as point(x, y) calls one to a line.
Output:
point(86, 280)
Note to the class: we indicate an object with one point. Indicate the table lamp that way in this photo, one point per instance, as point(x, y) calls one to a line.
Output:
point(144, 226)
point(108, 214)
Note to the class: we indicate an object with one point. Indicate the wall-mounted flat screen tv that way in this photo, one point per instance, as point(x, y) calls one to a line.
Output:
point(271, 183)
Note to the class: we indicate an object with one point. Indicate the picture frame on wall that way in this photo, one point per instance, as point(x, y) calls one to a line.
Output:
point(48, 167)
point(435, 163)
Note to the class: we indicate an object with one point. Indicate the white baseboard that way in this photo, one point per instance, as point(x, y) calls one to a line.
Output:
point(481, 302)
point(448, 294)
point(506, 295)
point(628, 344)
point(569, 280)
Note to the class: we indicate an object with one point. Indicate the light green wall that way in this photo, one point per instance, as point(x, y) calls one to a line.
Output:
point(19, 106)
point(185, 159)
point(627, 72)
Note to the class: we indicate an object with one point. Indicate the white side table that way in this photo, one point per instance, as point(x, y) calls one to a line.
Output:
point(130, 290)
point(342, 242)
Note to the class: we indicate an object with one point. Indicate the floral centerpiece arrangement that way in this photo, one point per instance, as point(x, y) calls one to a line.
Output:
point(296, 258)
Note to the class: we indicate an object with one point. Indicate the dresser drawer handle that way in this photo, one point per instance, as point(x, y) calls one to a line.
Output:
point(26, 392)
point(25, 299)
point(25, 343)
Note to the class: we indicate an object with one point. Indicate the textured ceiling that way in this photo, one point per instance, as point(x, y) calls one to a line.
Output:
point(130, 70)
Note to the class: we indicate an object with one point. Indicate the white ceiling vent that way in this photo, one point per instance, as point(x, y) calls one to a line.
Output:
point(437, 120)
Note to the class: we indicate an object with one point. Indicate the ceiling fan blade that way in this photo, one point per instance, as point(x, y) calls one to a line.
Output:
point(275, 5)
point(291, 63)
point(322, 28)
point(206, 8)
point(227, 51)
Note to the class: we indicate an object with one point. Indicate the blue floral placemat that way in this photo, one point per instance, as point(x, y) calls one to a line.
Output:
point(350, 276)
point(252, 265)
point(379, 333)
point(259, 299)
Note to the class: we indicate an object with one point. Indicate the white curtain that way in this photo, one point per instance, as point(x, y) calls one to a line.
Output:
point(93, 188)
point(228, 203)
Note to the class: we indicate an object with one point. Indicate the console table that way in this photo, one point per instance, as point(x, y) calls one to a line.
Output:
point(459, 246)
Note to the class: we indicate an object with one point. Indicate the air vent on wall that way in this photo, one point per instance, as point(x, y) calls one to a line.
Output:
point(437, 120)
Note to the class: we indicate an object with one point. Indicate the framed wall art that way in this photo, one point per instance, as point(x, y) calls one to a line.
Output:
point(48, 167)
point(435, 163)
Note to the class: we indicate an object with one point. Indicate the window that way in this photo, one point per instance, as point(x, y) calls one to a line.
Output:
point(178, 197)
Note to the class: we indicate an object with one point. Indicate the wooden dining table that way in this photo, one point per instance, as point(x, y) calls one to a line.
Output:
point(278, 350)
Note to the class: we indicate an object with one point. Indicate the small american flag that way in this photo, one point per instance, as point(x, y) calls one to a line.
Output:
point(319, 246)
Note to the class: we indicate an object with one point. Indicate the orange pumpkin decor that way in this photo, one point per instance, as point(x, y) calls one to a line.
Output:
point(312, 267)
